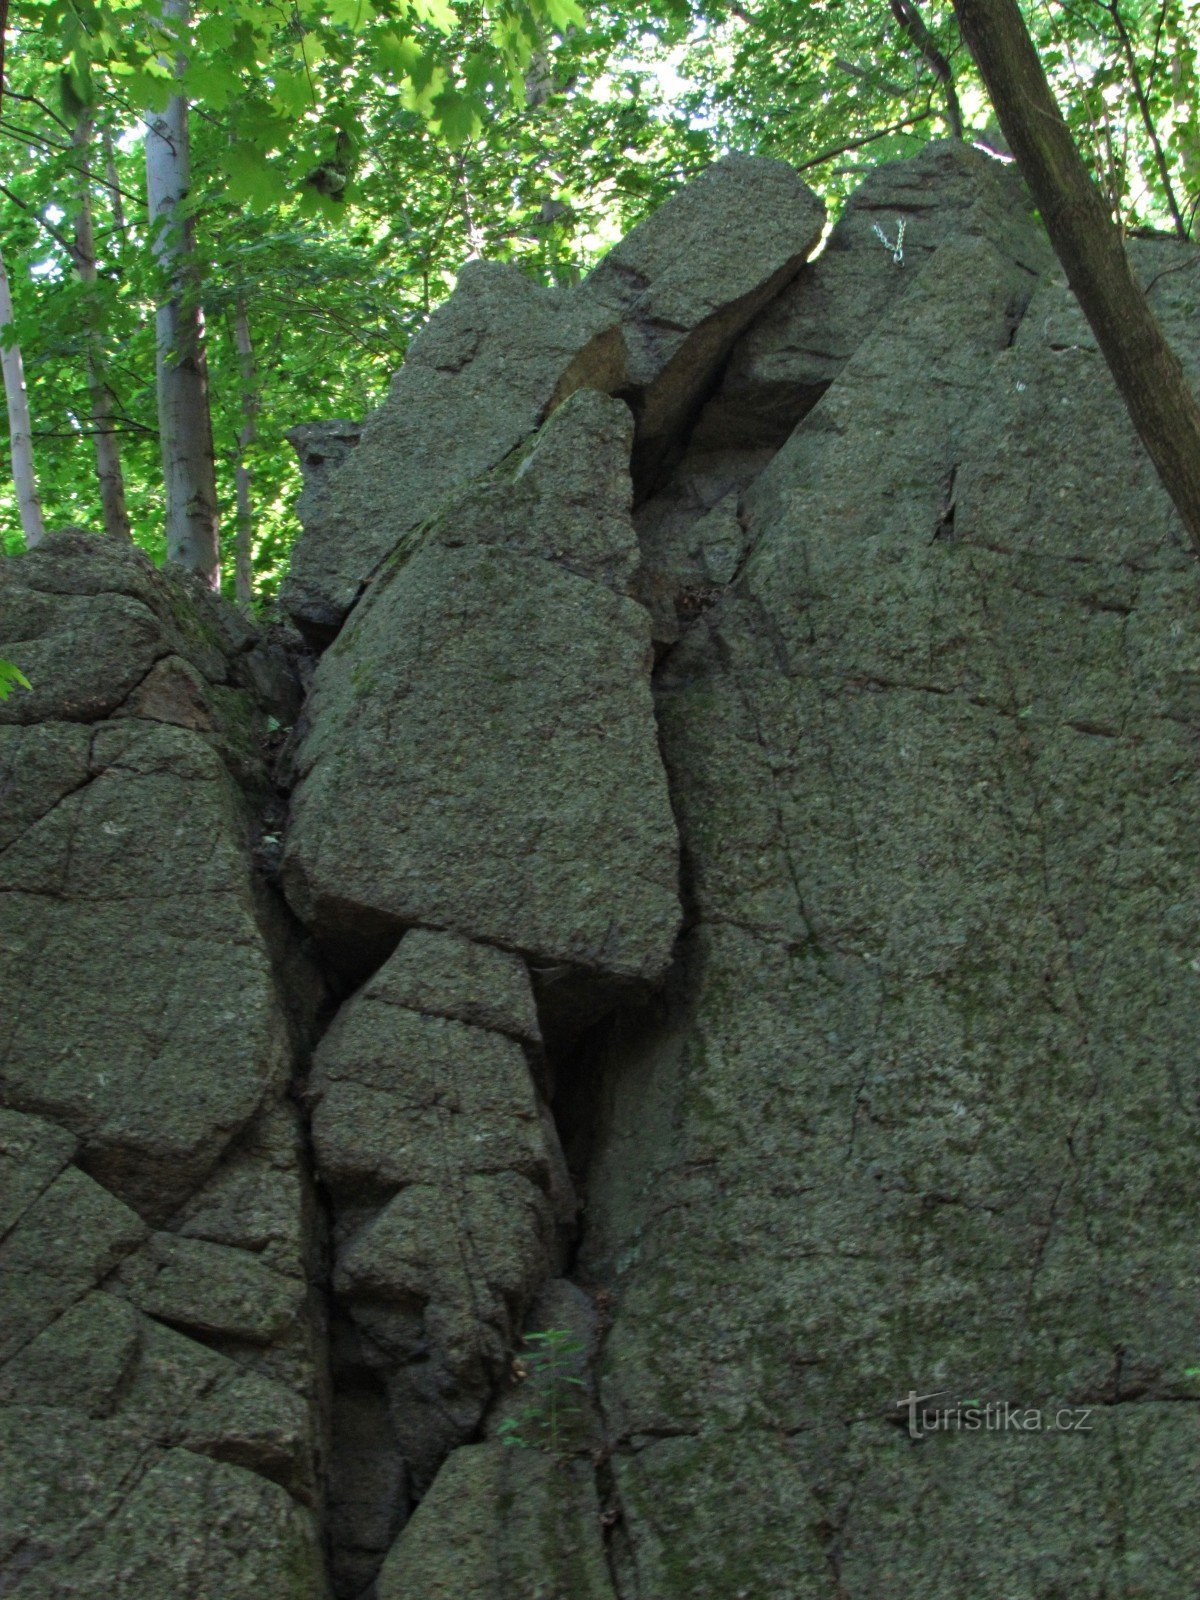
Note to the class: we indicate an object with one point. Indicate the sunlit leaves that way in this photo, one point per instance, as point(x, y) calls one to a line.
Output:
point(11, 677)
point(438, 14)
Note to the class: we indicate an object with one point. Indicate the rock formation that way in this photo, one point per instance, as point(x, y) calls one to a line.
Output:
point(715, 955)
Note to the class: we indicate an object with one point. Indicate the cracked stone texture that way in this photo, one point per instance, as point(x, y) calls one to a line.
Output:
point(499, 1523)
point(804, 338)
point(652, 322)
point(915, 1109)
point(481, 754)
point(450, 1198)
point(693, 531)
point(160, 1375)
point(918, 1112)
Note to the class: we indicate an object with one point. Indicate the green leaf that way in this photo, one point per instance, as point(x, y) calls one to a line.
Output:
point(563, 14)
point(439, 14)
point(352, 14)
point(459, 117)
point(211, 84)
point(312, 50)
point(11, 678)
point(395, 55)
point(423, 88)
point(248, 178)
point(292, 94)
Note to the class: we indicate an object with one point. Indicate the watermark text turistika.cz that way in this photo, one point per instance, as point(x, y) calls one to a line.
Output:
point(992, 1416)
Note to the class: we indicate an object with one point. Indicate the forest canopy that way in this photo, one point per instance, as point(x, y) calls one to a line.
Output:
point(347, 156)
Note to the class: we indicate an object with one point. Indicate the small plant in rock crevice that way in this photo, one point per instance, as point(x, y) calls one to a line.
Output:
point(551, 1403)
point(11, 677)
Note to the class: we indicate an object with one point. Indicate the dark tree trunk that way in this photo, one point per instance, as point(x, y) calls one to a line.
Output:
point(1088, 244)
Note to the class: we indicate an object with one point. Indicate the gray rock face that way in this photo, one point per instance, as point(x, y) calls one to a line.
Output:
point(929, 762)
point(482, 755)
point(766, 935)
point(159, 1377)
point(451, 1204)
point(807, 334)
point(652, 323)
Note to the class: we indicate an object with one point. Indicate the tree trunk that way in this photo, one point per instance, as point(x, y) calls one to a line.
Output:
point(184, 424)
point(1146, 370)
point(108, 454)
point(20, 433)
point(115, 201)
point(243, 550)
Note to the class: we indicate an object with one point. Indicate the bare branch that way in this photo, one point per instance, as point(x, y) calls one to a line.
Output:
point(857, 144)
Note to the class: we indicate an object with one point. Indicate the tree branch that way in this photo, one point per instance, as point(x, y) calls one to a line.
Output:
point(55, 234)
point(1139, 94)
point(32, 100)
point(910, 19)
point(869, 138)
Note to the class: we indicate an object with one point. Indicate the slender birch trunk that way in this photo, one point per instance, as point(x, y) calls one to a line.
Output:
point(243, 550)
point(20, 432)
point(184, 422)
point(108, 453)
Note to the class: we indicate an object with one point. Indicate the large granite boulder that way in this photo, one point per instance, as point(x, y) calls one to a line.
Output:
point(913, 1122)
point(652, 323)
point(160, 1374)
point(481, 753)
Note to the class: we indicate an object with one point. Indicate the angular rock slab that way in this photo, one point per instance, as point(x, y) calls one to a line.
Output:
point(92, 1513)
point(652, 324)
point(448, 1186)
point(483, 759)
point(804, 338)
point(133, 950)
point(500, 1523)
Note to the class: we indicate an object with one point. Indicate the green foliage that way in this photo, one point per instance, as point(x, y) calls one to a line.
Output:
point(11, 678)
point(551, 1408)
point(349, 154)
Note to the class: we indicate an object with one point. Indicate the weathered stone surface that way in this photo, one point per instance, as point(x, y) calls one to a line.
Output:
point(104, 1359)
point(499, 1523)
point(260, 1197)
point(443, 975)
point(694, 532)
point(108, 1529)
point(450, 1201)
point(911, 1109)
point(914, 1106)
point(477, 381)
point(149, 1012)
point(401, 1099)
point(32, 1154)
point(131, 920)
point(565, 498)
point(686, 289)
point(211, 1289)
point(540, 822)
point(68, 1240)
point(652, 323)
point(805, 337)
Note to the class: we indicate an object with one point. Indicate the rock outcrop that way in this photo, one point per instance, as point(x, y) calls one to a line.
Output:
point(651, 324)
point(728, 969)
point(161, 1338)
